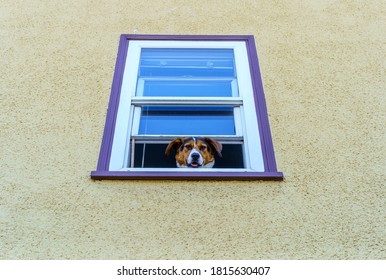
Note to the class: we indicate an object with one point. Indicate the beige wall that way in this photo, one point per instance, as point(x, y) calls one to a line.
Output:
point(323, 70)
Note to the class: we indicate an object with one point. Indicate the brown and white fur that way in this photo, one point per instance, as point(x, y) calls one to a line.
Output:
point(194, 152)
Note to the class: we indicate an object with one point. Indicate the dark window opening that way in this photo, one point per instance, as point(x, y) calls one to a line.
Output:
point(153, 156)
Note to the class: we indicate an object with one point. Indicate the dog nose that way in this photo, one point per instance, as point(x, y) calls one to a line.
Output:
point(195, 156)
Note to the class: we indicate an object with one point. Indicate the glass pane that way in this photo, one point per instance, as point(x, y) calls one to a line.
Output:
point(187, 120)
point(187, 63)
point(192, 88)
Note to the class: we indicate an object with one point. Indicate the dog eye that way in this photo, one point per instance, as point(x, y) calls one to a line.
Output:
point(202, 148)
point(188, 147)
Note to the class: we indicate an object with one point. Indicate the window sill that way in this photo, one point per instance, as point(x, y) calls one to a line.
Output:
point(186, 175)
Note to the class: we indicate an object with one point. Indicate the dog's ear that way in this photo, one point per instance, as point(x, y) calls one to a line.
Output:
point(176, 144)
point(217, 146)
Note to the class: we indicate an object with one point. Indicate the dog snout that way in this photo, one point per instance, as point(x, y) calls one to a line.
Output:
point(195, 156)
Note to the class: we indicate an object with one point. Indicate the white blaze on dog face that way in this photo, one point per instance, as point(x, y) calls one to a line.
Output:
point(194, 152)
point(197, 149)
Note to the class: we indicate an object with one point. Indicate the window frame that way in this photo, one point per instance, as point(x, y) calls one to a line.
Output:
point(269, 171)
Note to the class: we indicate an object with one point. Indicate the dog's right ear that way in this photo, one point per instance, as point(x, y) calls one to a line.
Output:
point(176, 144)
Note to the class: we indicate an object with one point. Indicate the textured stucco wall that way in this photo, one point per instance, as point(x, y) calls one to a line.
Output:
point(323, 69)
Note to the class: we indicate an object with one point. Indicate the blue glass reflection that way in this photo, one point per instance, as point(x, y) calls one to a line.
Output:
point(187, 63)
point(187, 120)
point(207, 88)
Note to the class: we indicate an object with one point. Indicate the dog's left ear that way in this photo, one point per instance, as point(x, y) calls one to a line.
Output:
point(217, 146)
point(176, 144)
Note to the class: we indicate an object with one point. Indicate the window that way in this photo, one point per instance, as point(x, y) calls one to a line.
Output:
point(166, 87)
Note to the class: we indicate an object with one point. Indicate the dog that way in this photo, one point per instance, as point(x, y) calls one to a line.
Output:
point(195, 152)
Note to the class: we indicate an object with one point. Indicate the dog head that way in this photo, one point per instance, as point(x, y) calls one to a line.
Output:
point(194, 152)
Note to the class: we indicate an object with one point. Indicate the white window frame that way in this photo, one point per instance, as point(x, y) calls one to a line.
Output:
point(127, 119)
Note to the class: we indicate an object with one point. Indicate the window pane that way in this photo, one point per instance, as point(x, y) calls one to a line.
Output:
point(187, 120)
point(187, 63)
point(191, 88)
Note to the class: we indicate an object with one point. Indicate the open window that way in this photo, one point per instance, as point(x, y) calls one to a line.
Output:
point(166, 87)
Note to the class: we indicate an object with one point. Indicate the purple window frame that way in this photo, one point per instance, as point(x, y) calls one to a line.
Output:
point(270, 170)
